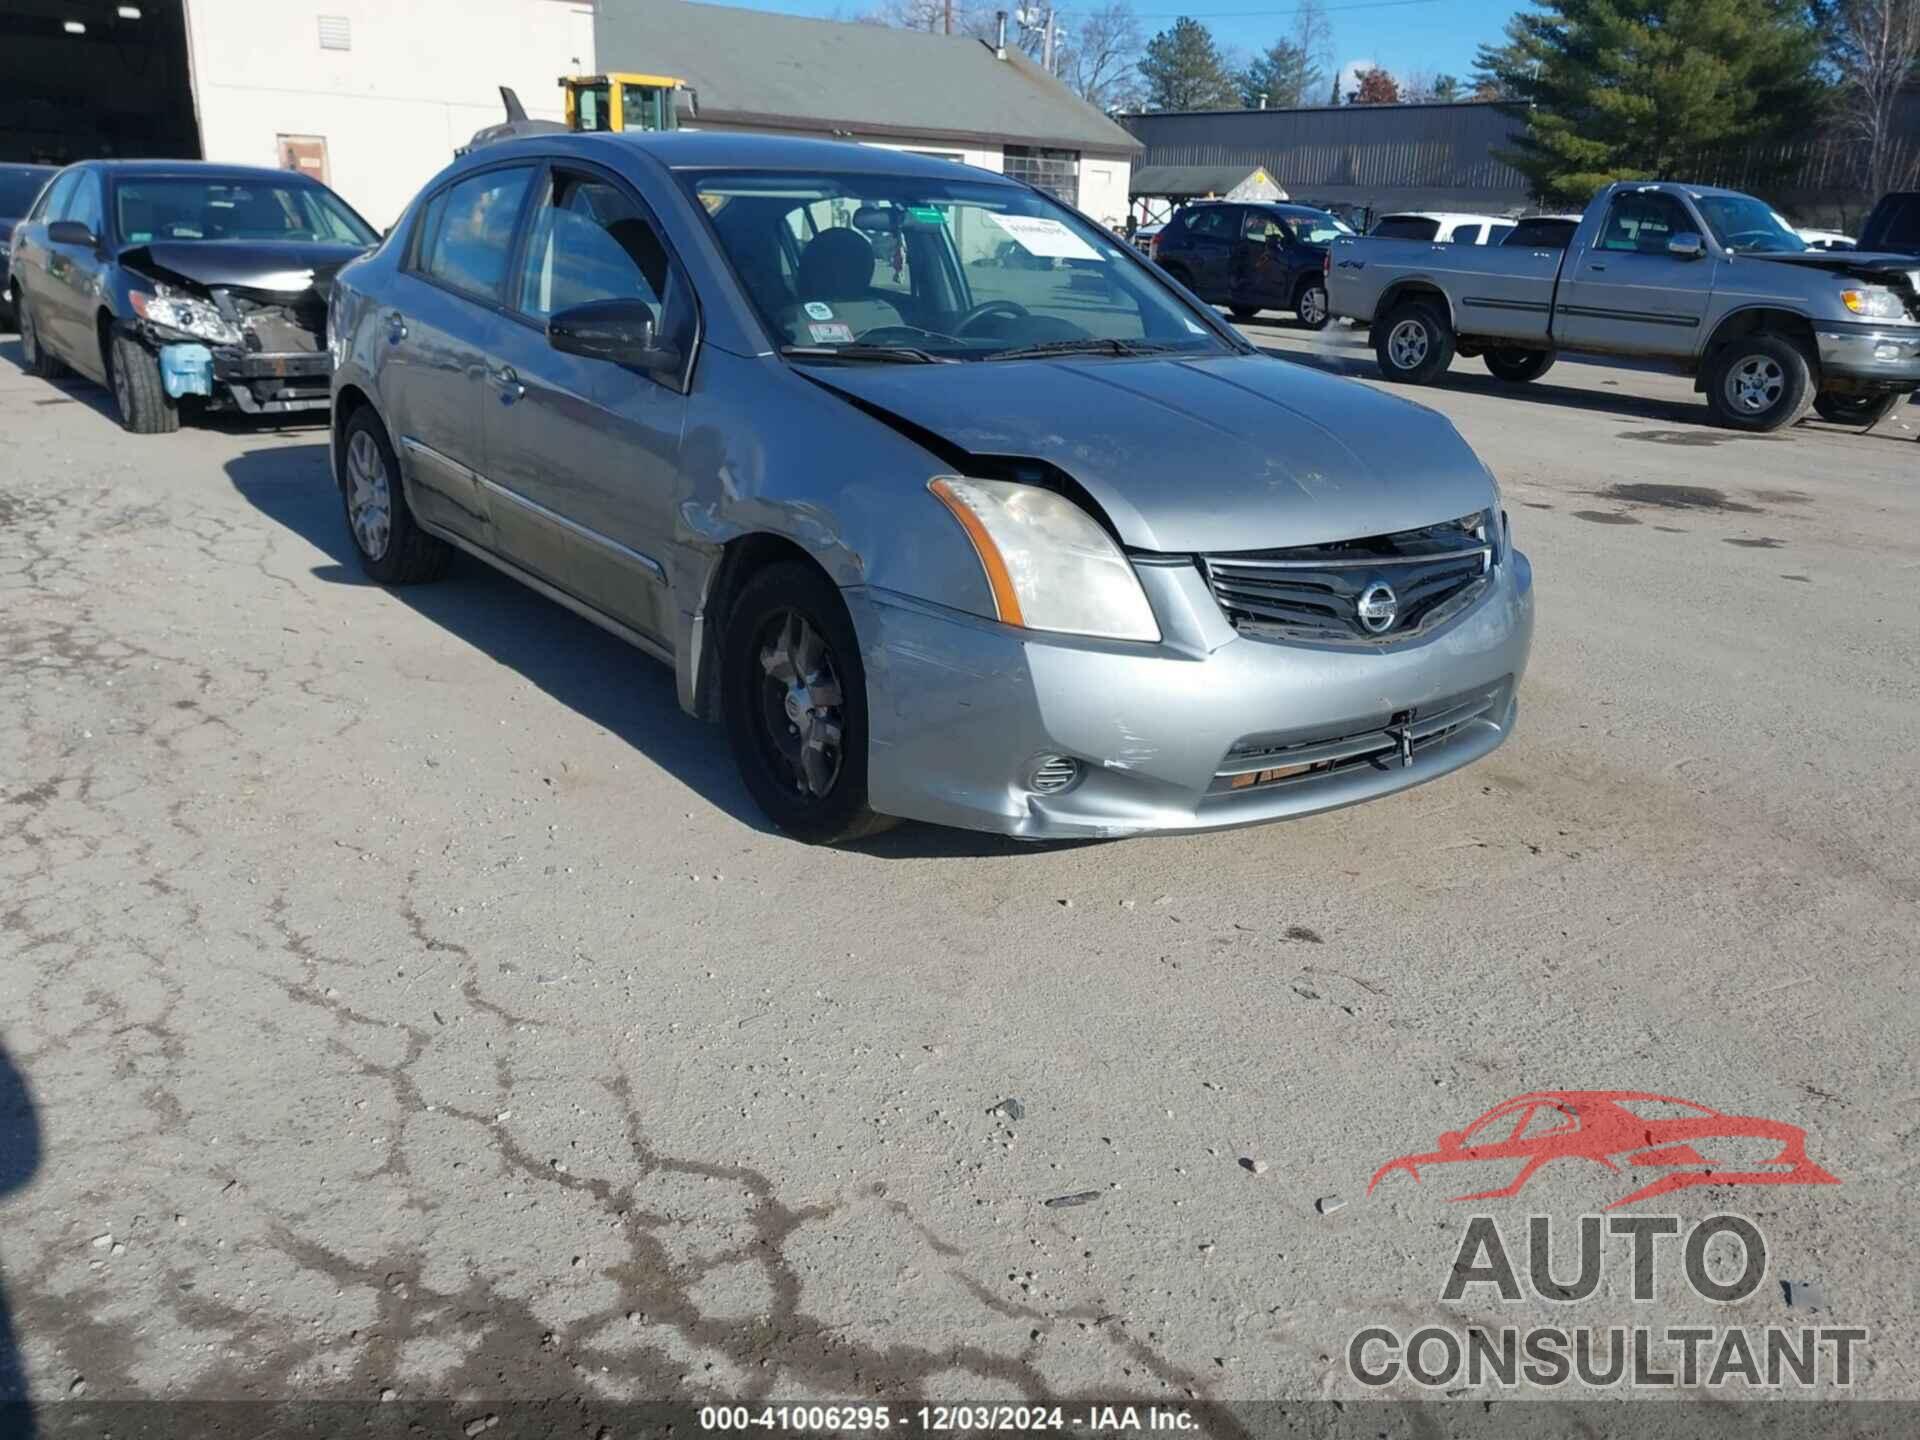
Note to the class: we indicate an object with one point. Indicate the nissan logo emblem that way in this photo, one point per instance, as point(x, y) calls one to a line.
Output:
point(1378, 608)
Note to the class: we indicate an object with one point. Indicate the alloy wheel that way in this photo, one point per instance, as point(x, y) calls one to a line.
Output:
point(1313, 307)
point(1408, 344)
point(1755, 385)
point(801, 717)
point(369, 496)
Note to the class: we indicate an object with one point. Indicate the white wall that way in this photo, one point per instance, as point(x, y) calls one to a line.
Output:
point(1103, 189)
point(420, 77)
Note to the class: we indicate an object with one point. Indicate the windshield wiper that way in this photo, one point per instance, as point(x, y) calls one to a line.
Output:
point(885, 354)
point(1088, 346)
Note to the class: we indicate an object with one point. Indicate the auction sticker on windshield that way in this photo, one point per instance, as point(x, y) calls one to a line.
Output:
point(1043, 236)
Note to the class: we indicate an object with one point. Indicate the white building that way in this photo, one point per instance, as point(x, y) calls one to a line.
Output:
point(374, 96)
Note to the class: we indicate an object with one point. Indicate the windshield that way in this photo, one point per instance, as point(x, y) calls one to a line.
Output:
point(1740, 222)
point(17, 189)
point(936, 269)
point(174, 207)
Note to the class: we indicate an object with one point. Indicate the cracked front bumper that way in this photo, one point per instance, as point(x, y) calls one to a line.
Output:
point(961, 710)
point(1889, 353)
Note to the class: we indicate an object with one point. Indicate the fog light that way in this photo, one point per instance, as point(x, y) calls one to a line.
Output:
point(1886, 352)
point(1053, 774)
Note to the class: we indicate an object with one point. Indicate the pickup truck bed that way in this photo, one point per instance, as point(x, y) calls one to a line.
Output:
point(1765, 332)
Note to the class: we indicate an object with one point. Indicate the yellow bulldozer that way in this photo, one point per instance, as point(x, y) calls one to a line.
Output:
point(617, 101)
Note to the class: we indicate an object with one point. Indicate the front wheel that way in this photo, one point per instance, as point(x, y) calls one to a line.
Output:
point(1759, 383)
point(794, 696)
point(1860, 410)
point(1243, 313)
point(1517, 367)
point(1312, 309)
point(144, 405)
point(1415, 344)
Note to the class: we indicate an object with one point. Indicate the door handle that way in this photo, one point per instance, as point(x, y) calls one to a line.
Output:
point(509, 382)
point(396, 327)
point(1595, 269)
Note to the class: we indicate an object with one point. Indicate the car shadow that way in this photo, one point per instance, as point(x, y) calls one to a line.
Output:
point(20, 1147)
point(591, 672)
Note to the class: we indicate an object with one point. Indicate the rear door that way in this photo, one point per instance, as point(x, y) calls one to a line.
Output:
point(33, 256)
point(586, 453)
point(1213, 233)
point(1625, 293)
point(447, 312)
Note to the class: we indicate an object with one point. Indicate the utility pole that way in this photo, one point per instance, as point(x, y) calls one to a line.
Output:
point(1046, 47)
point(949, 16)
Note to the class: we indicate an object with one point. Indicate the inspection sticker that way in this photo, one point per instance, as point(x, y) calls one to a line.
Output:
point(836, 333)
point(819, 310)
point(1040, 235)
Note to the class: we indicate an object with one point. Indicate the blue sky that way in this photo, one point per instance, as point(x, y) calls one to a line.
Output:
point(1437, 36)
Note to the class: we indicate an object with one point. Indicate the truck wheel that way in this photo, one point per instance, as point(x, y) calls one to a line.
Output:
point(1243, 313)
point(1517, 367)
point(1310, 306)
point(1861, 410)
point(1416, 344)
point(1759, 383)
point(144, 405)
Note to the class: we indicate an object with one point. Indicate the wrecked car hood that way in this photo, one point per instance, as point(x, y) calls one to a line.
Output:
point(1878, 264)
point(279, 266)
point(1235, 452)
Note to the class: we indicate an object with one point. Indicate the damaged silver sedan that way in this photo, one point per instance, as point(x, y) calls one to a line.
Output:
point(171, 281)
point(945, 502)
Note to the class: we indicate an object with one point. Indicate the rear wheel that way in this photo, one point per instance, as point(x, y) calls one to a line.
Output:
point(1415, 344)
point(794, 696)
point(1311, 307)
point(144, 405)
point(1243, 313)
point(393, 548)
point(1861, 410)
point(1518, 366)
point(39, 360)
point(1759, 383)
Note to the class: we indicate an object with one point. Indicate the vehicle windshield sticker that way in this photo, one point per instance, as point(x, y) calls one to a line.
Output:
point(1041, 235)
point(926, 214)
point(819, 310)
point(834, 334)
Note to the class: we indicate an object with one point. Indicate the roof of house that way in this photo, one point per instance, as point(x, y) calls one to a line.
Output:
point(784, 71)
point(1179, 182)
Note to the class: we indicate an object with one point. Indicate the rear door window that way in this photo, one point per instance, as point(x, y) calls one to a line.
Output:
point(1407, 227)
point(469, 236)
point(1216, 222)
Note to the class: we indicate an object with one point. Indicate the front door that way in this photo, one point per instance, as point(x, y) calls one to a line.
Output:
point(586, 453)
point(1261, 267)
point(75, 272)
point(1625, 292)
point(446, 320)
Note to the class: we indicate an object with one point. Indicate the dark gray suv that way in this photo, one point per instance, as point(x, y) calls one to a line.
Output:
point(1017, 539)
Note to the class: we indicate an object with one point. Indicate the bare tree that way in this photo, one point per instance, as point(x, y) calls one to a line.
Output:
point(1313, 34)
point(1874, 45)
point(1101, 52)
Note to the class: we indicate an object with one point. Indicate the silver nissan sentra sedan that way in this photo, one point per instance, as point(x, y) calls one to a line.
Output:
point(946, 502)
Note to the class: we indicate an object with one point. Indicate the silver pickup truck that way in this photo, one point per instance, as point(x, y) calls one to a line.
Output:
point(1713, 281)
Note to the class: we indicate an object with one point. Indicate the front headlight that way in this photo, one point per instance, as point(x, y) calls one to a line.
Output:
point(1048, 564)
point(187, 315)
point(1875, 303)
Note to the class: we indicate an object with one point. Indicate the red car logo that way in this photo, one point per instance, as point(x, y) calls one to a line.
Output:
point(1619, 1128)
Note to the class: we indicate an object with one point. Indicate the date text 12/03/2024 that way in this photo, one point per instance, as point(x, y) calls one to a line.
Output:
point(936, 1418)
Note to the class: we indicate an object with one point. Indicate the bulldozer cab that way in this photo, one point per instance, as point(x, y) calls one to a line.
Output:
point(621, 102)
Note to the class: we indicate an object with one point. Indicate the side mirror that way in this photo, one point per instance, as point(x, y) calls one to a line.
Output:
point(1686, 245)
point(618, 331)
point(71, 232)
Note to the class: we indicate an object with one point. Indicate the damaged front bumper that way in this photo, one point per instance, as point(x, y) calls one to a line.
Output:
point(1876, 353)
point(971, 720)
point(252, 381)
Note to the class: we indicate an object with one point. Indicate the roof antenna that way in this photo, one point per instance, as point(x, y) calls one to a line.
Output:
point(512, 101)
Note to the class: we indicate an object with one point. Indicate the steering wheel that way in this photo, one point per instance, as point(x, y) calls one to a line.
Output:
point(891, 335)
point(1010, 308)
point(1738, 235)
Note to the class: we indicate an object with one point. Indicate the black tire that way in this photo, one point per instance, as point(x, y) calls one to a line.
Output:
point(1517, 367)
point(39, 360)
point(1416, 343)
point(1860, 410)
point(1243, 313)
point(816, 793)
point(133, 372)
point(1310, 305)
point(398, 551)
point(1760, 383)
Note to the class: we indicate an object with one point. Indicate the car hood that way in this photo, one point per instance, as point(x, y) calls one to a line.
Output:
point(284, 266)
point(1858, 262)
point(1239, 452)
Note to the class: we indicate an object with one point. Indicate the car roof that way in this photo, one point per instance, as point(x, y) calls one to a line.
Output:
point(208, 169)
point(1445, 215)
point(722, 150)
point(14, 168)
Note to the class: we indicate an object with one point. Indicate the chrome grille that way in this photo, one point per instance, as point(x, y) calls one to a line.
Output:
point(1314, 592)
point(1261, 762)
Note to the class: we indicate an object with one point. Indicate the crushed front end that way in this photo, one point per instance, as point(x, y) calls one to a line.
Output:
point(256, 351)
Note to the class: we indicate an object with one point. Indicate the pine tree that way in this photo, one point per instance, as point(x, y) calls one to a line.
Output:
point(1183, 70)
point(1284, 74)
point(1634, 89)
